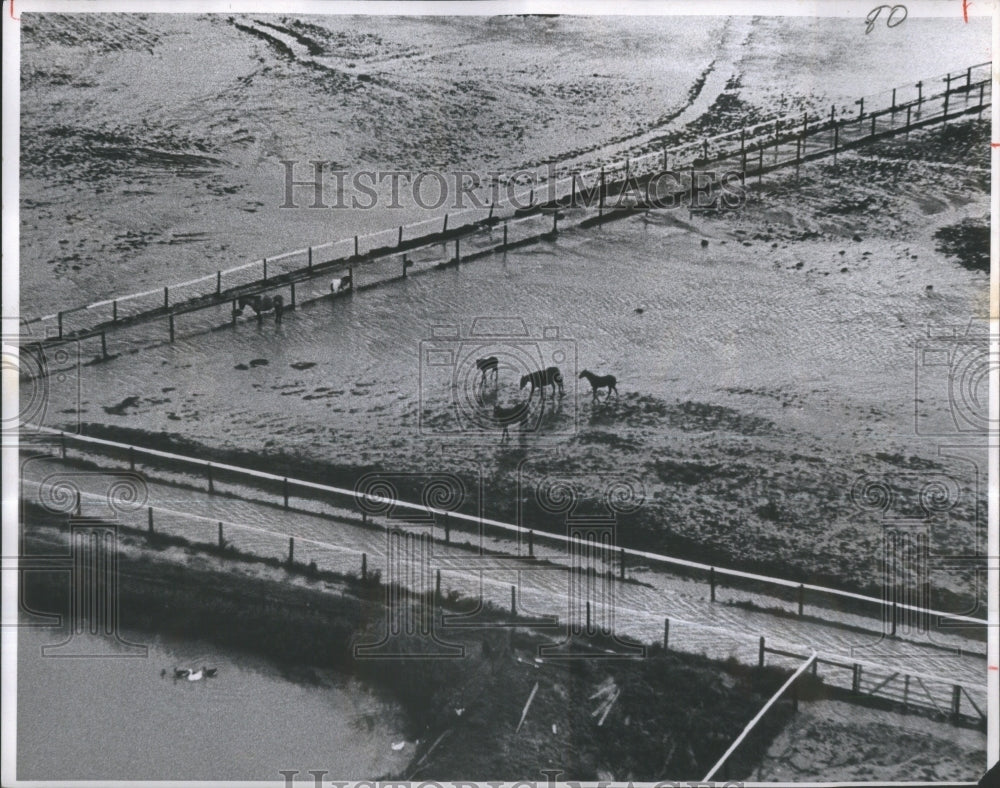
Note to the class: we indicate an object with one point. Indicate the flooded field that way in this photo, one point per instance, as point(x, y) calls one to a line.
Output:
point(779, 400)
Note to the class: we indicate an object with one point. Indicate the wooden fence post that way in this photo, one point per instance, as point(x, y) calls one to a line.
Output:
point(234, 311)
point(149, 519)
point(802, 595)
point(666, 634)
point(531, 543)
point(222, 541)
point(356, 246)
point(211, 484)
point(437, 583)
point(894, 102)
point(104, 346)
point(920, 94)
point(760, 653)
point(873, 126)
point(711, 581)
point(293, 294)
point(908, 111)
point(284, 490)
point(947, 95)
point(861, 109)
point(981, 86)
point(513, 600)
point(458, 250)
point(555, 221)
point(309, 259)
point(447, 529)
point(968, 77)
point(956, 702)
point(621, 562)
point(291, 550)
point(505, 236)
point(79, 503)
point(114, 304)
point(59, 318)
point(265, 269)
point(588, 617)
point(444, 229)
point(166, 297)
point(218, 283)
point(894, 612)
point(572, 198)
point(856, 680)
point(399, 241)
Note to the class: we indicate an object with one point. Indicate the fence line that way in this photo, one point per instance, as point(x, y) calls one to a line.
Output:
point(793, 132)
point(445, 563)
point(759, 716)
point(520, 531)
point(881, 680)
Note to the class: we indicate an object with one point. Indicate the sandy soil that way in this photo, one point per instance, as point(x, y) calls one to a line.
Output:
point(835, 741)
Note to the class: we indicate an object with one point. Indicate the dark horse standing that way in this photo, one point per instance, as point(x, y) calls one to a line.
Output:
point(488, 365)
point(609, 382)
point(551, 376)
point(518, 414)
point(260, 304)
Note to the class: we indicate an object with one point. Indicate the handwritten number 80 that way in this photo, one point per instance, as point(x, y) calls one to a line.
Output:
point(897, 15)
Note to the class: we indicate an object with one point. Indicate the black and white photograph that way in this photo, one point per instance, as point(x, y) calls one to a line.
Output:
point(525, 393)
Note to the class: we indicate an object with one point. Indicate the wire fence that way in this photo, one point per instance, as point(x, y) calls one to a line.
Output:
point(751, 151)
point(329, 500)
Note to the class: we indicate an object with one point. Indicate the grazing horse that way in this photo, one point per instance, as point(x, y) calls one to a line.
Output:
point(609, 382)
point(261, 304)
point(506, 416)
point(340, 284)
point(551, 376)
point(486, 366)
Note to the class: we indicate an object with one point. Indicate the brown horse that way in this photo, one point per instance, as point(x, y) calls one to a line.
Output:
point(261, 304)
point(487, 365)
point(609, 382)
point(550, 376)
point(517, 414)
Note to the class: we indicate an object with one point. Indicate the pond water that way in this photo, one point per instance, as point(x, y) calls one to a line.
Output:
point(117, 718)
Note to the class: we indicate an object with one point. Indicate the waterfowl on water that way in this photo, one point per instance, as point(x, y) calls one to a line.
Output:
point(195, 676)
point(209, 672)
point(181, 673)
